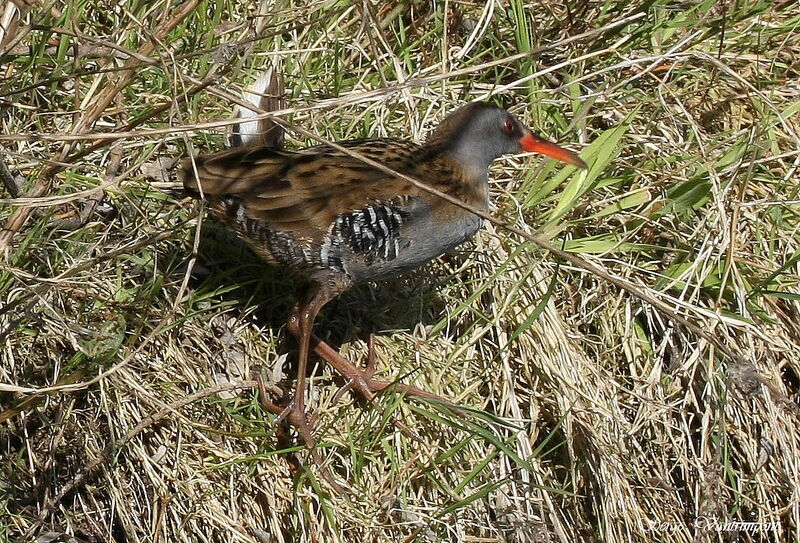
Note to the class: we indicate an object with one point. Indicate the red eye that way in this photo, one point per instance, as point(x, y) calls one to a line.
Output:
point(508, 126)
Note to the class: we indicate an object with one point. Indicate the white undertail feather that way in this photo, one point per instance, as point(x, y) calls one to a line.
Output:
point(254, 94)
point(265, 94)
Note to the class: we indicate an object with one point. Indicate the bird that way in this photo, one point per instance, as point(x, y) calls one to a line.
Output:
point(337, 222)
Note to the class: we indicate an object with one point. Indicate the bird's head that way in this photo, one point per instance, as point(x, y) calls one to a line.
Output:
point(478, 133)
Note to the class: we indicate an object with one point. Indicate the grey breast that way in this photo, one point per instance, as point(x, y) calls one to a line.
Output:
point(387, 239)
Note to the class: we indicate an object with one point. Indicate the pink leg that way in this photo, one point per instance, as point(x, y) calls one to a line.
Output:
point(300, 325)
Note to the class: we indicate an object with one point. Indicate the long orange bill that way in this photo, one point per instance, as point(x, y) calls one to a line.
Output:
point(534, 144)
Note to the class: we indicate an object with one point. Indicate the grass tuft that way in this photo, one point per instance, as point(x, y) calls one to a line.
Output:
point(130, 323)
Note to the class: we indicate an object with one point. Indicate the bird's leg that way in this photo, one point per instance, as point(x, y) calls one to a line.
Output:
point(301, 323)
point(366, 377)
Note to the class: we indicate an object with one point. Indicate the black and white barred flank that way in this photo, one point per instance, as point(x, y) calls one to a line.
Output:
point(281, 246)
point(373, 232)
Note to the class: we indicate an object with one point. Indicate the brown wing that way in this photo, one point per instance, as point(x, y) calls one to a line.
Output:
point(304, 190)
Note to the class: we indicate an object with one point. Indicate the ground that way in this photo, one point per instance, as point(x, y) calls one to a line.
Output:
point(624, 341)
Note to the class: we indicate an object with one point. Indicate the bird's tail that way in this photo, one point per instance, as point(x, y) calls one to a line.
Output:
point(266, 94)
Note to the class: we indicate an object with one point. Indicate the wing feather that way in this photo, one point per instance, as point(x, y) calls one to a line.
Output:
point(301, 191)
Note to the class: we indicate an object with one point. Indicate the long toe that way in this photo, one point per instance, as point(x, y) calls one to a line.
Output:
point(361, 381)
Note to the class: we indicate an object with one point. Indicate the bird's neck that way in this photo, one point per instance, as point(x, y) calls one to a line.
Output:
point(462, 179)
point(474, 166)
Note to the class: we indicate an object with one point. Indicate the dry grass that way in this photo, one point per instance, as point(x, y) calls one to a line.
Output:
point(130, 325)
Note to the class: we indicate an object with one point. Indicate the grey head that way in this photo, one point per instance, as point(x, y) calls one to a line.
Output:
point(478, 133)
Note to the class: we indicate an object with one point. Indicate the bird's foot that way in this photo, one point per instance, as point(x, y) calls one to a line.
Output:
point(360, 380)
point(291, 414)
point(305, 430)
point(365, 375)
